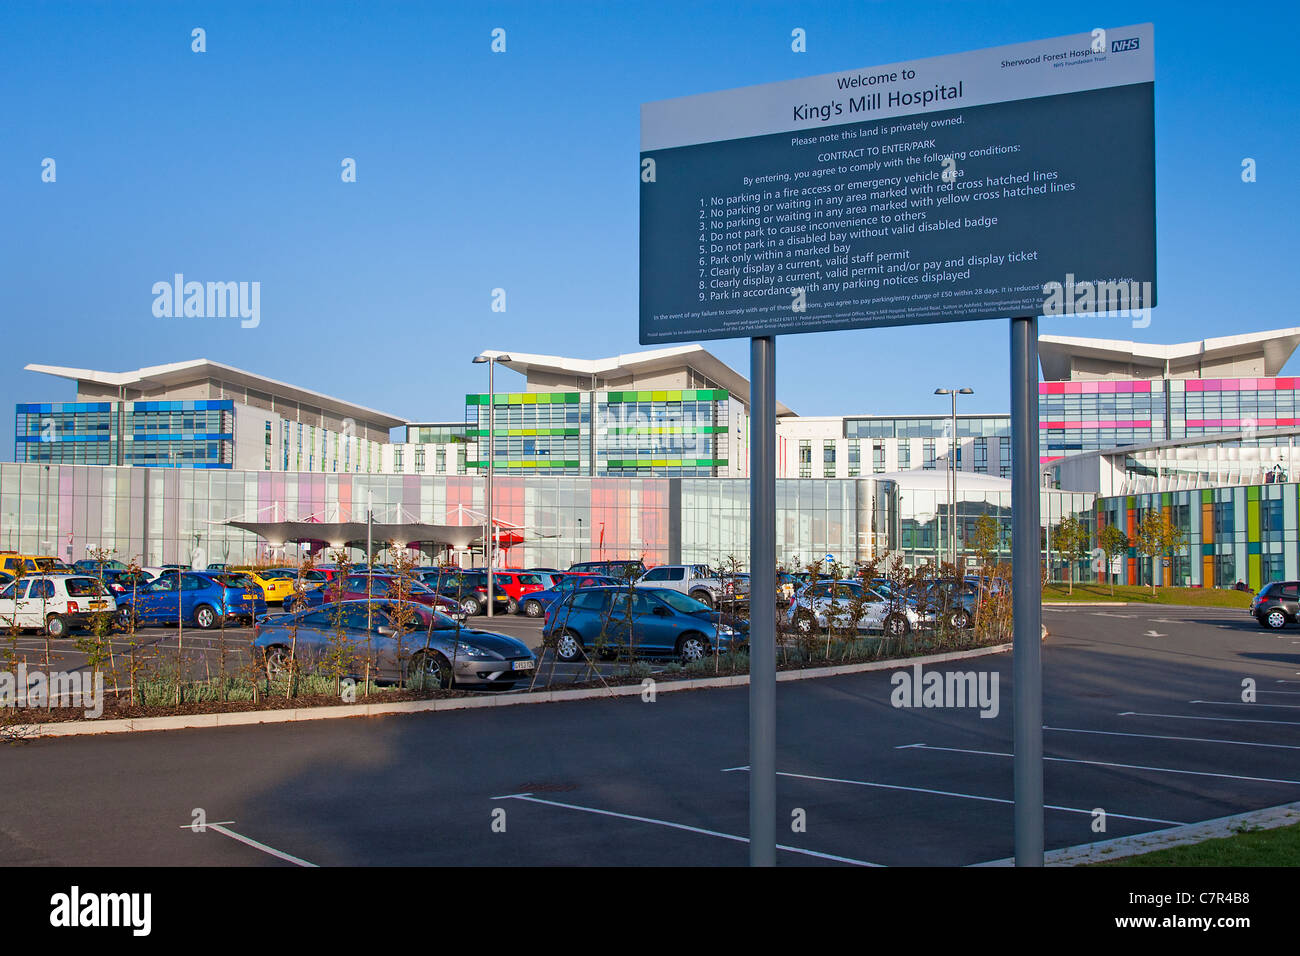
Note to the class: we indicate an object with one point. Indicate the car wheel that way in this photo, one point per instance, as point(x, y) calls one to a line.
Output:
point(569, 647)
point(704, 597)
point(959, 620)
point(470, 606)
point(512, 606)
point(896, 625)
point(692, 647)
point(434, 667)
point(205, 617)
point(533, 608)
point(804, 623)
point(124, 619)
point(1276, 619)
point(278, 662)
point(56, 626)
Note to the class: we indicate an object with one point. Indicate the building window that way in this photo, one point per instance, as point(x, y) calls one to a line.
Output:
point(904, 454)
point(855, 457)
point(877, 456)
point(927, 453)
point(805, 459)
point(828, 458)
point(1004, 458)
point(460, 459)
point(982, 455)
point(397, 458)
point(419, 459)
point(440, 459)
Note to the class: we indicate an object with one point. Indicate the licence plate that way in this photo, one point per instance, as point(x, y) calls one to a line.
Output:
point(96, 604)
point(248, 597)
point(523, 665)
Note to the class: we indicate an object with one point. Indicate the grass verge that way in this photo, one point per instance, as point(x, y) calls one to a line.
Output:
point(1277, 847)
point(1134, 594)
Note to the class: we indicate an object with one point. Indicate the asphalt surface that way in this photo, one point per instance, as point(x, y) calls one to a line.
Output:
point(1143, 708)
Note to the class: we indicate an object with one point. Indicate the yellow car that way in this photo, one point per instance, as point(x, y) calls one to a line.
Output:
point(277, 584)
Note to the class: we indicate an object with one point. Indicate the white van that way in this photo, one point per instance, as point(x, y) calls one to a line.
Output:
point(54, 603)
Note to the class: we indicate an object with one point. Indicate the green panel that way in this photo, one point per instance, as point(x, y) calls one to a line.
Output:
point(1252, 517)
point(1253, 573)
point(1166, 500)
point(1207, 496)
point(1252, 493)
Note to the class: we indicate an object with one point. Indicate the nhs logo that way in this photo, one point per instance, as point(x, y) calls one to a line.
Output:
point(1121, 46)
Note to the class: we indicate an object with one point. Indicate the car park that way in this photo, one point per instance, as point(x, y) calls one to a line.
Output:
point(202, 598)
point(54, 603)
point(1276, 605)
point(399, 642)
point(536, 603)
point(826, 603)
point(366, 586)
point(648, 622)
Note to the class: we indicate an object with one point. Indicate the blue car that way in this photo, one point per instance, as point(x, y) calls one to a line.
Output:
point(536, 603)
point(662, 623)
point(196, 597)
point(426, 643)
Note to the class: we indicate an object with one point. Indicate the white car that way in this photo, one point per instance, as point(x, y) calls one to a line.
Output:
point(53, 603)
point(812, 608)
point(693, 580)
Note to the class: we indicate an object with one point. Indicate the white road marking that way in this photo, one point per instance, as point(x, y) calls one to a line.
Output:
point(1200, 740)
point(1121, 766)
point(220, 828)
point(1105, 614)
point(950, 793)
point(680, 826)
point(1242, 703)
point(1224, 720)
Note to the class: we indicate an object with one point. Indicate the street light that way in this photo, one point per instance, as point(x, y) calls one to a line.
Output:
point(490, 550)
point(952, 465)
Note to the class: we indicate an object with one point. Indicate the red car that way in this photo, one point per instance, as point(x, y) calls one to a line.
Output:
point(516, 584)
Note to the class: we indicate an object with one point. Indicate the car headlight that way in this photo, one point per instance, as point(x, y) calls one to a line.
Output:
point(726, 631)
point(474, 653)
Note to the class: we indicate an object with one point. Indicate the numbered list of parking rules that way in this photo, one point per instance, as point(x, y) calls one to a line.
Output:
point(961, 214)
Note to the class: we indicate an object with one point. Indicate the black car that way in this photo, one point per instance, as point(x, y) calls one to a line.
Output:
point(621, 570)
point(1277, 605)
point(467, 588)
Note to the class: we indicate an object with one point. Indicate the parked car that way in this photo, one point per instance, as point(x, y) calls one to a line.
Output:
point(13, 562)
point(54, 603)
point(818, 605)
point(696, 580)
point(516, 584)
point(88, 566)
point(200, 597)
point(956, 602)
point(467, 589)
point(429, 643)
point(658, 622)
point(536, 603)
point(124, 581)
point(1276, 605)
point(619, 570)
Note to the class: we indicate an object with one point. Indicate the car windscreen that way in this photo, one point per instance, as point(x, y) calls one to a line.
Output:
point(86, 587)
point(682, 602)
point(530, 579)
point(234, 581)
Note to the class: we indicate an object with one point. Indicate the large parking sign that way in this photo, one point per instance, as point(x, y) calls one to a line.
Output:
point(1018, 180)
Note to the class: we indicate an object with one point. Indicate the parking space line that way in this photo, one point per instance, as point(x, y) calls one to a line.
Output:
point(1242, 703)
point(680, 826)
point(951, 793)
point(248, 841)
point(1105, 763)
point(1222, 720)
point(1201, 740)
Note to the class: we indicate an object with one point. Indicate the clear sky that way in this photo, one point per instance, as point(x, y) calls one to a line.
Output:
point(518, 171)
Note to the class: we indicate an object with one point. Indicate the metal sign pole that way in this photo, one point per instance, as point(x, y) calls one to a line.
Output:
point(762, 602)
point(1026, 594)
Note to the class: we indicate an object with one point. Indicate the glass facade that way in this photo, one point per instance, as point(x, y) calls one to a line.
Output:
point(1092, 416)
point(197, 434)
point(676, 432)
point(928, 426)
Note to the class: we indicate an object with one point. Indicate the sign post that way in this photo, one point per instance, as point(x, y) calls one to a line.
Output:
point(762, 606)
point(1014, 181)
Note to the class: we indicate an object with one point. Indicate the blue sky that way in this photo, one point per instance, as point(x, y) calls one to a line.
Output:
point(519, 170)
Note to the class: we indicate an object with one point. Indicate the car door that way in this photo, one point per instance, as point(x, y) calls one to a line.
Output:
point(14, 611)
point(1289, 598)
point(156, 603)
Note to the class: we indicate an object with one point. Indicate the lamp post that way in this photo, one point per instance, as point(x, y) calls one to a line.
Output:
point(952, 466)
point(490, 548)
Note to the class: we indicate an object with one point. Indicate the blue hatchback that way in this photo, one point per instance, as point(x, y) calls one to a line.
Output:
point(196, 597)
point(651, 622)
point(536, 603)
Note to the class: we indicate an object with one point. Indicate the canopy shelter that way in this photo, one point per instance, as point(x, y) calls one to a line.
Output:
point(338, 534)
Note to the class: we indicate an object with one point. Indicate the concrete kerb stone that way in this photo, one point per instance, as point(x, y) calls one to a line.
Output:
point(244, 717)
point(1105, 850)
